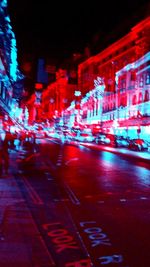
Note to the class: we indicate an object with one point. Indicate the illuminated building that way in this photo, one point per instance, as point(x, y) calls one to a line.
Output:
point(114, 86)
point(124, 67)
point(11, 80)
point(50, 103)
point(133, 102)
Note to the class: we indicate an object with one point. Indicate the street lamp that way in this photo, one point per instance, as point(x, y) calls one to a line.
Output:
point(77, 105)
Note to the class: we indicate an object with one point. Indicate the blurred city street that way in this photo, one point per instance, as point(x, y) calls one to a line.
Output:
point(74, 133)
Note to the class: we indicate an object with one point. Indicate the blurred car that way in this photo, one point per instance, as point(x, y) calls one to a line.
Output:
point(138, 145)
point(116, 141)
point(102, 139)
point(111, 140)
point(69, 135)
point(121, 142)
point(84, 137)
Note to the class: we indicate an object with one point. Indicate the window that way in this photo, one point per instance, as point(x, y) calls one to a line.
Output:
point(124, 101)
point(146, 97)
point(105, 108)
point(133, 75)
point(123, 82)
point(134, 101)
point(84, 116)
point(141, 81)
point(147, 78)
point(140, 97)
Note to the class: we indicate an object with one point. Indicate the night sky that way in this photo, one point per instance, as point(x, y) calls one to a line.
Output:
point(56, 29)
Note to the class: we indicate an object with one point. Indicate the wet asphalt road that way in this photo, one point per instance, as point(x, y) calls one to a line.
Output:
point(91, 207)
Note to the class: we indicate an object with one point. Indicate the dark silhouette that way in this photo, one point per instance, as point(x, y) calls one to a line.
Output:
point(1, 162)
point(4, 154)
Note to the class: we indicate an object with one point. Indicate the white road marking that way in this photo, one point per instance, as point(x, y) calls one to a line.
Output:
point(70, 160)
point(58, 164)
point(71, 194)
point(143, 198)
point(123, 200)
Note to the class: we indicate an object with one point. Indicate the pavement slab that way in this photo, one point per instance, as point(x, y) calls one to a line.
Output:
point(21, 244)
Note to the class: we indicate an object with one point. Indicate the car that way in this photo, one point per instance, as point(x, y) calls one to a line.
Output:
point(84, 137)
point(121, 142)
point(70, 135)
point(111, 140)
point(102, 139)
point(138, 145)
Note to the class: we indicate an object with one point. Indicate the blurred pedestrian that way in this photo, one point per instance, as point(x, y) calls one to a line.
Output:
point(4, 154)
point(1, 161)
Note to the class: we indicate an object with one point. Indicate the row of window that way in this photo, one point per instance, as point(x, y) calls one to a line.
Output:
point(123, 101)
point(140, 98)
point(140, 81)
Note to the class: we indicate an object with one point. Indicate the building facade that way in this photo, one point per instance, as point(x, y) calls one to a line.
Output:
point(113, 90)
point(11, 80)
point(115, 85)
point(50, 103)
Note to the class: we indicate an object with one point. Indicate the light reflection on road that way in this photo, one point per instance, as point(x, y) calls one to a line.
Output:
point(143, 175)
point(119, 171)
point(94, 172)
point(109, 158)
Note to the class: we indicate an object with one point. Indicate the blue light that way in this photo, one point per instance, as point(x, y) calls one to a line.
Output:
point(4, 3)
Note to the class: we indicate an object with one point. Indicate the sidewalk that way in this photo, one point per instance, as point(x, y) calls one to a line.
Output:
point(21, 244)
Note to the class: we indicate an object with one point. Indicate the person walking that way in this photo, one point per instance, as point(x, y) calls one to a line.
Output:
point(4, 154)
point(1, 161)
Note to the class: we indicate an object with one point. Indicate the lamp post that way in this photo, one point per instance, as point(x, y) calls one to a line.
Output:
point(77, 106)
